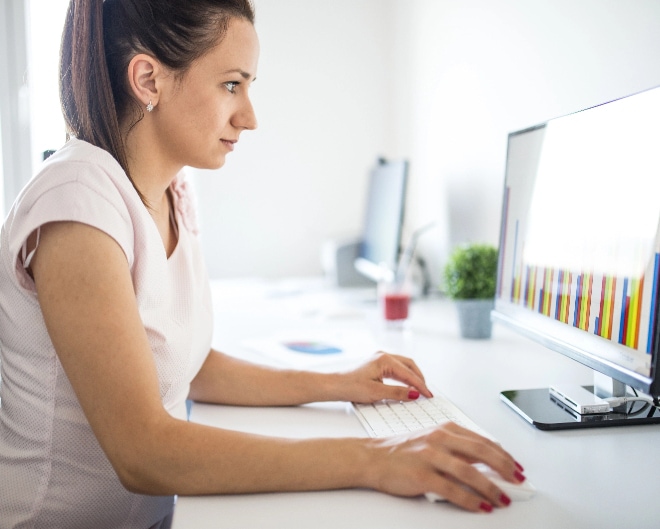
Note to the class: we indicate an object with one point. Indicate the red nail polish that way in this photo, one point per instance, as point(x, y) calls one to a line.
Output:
point(519, 476)
point(413, 394)
point(486, 507)
point(505, 499)
point(519, 466)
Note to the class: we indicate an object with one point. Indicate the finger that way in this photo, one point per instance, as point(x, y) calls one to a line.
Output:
point(473, 448)
point(401, 393)
point(460, 495)
point(410, 364)
point(468, 487)
point(397, 370)
point(463, 484)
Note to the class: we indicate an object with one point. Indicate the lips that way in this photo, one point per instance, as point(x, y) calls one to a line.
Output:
point(229, 144)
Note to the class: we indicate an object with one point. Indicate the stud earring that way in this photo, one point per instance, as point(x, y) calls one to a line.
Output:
point(150, 107)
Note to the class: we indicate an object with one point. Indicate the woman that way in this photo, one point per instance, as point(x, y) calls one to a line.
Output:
point(105, 308)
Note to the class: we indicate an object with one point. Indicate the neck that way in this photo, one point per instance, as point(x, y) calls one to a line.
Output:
point(151, 170)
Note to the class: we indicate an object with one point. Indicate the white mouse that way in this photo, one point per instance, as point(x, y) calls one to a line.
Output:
point(517, 492)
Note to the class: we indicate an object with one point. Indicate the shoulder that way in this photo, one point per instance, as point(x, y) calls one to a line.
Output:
point(78, 180)
point(79, 183)
point(80, 163)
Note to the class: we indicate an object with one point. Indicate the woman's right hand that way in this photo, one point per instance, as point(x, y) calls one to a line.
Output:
point(440, 460)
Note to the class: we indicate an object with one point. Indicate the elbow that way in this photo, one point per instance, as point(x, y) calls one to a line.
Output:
point(133, 480)
point(130, 482)
point(145, 464)
point(143, 477)
point(133, 474)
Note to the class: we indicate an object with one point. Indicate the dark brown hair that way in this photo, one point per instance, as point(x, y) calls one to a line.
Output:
point(101, 37)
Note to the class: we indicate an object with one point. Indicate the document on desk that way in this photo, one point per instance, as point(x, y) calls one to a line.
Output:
point(322, 350)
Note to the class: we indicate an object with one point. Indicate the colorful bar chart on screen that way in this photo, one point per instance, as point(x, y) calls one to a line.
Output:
point(609, 305)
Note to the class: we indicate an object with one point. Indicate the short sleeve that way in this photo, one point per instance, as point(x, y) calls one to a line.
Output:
point(74, 192)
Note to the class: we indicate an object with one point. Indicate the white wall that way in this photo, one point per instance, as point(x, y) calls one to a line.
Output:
point(439, 81)
point(322, 98)
point(486, 68)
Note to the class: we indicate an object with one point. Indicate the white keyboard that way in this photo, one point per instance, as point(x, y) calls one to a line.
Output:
point(385, 418)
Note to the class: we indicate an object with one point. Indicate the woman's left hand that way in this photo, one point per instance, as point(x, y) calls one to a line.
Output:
point(366, 383)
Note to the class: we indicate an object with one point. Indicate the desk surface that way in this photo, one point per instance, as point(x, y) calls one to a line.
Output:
point(600, 477)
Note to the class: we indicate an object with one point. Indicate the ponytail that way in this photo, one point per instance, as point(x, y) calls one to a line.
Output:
point(86, 93)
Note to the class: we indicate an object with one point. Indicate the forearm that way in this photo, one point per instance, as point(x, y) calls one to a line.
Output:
point(191, 459)
point(227, 380)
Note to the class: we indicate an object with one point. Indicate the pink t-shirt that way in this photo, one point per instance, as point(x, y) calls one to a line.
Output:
point(53, 472)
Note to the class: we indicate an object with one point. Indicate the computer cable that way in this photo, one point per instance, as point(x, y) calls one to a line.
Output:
point(614, 402)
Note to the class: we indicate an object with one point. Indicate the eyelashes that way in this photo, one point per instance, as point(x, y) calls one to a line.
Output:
point(231, 86)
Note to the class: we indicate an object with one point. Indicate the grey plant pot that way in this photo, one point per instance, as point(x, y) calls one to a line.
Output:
point(474, 317)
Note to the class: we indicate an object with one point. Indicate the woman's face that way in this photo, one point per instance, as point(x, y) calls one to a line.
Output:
point(199, 118)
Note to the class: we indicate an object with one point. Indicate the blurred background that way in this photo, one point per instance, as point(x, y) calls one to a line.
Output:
point(438, 82)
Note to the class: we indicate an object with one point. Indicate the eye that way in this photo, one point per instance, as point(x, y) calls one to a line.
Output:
point(231, 86)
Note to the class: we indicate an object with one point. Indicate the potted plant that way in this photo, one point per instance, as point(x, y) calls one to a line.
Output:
point(470, 275)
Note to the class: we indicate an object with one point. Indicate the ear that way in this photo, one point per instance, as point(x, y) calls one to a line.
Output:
point(143, 77)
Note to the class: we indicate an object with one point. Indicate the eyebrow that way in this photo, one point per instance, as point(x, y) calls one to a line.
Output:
point(242, 73)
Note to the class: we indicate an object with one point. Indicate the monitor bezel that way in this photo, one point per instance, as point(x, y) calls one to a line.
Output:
point(649, 384)
point(639, 381)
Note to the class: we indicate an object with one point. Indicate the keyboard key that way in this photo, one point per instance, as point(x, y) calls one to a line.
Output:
point(385, 418)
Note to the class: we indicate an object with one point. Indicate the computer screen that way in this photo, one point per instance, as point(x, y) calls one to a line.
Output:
point(580, 251)
point(379, 247)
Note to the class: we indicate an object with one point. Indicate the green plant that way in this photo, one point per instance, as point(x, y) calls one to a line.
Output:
point(471, 272)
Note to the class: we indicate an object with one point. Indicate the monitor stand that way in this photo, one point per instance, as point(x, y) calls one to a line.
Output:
point(538, 408)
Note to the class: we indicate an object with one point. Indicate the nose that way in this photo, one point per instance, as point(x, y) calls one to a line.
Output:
point(245, 117)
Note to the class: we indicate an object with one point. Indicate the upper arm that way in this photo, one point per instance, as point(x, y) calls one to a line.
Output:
point(86, 294)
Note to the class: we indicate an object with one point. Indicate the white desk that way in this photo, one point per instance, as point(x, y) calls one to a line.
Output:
point(588, 478)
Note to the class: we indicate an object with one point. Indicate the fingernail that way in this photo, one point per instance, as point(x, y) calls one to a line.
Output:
point(486, 507)
point(519, 476)
point(505, 499)
point(519, 466)
point(413, 394)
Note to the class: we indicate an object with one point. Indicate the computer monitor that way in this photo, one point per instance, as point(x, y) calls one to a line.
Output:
point(580, 254)
point(379, 247)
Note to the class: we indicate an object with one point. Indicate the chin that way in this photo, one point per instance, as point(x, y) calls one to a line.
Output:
point(216, 163)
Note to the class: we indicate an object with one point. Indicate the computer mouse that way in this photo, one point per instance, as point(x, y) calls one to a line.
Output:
point(515, 491)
